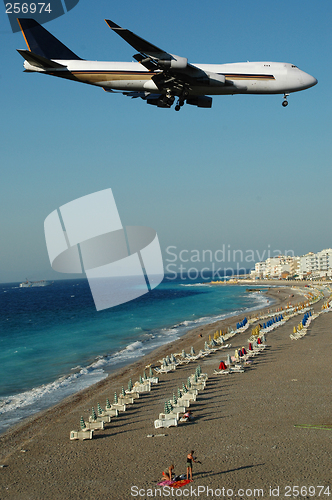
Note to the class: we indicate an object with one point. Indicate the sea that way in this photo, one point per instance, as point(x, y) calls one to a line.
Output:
point(54, 343)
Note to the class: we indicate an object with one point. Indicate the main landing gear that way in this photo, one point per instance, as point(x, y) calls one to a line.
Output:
point(181, 100)
point(179, 104)
point(285, 102)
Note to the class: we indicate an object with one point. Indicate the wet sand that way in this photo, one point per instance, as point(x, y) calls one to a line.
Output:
point(243, 431)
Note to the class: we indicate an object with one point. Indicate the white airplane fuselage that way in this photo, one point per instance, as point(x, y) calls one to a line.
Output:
point(240, 78)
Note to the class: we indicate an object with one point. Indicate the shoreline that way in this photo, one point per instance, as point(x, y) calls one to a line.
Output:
point(49, 430)
point(101, 366)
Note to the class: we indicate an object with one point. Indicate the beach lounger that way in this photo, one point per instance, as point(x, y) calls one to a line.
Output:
point(118, 406)
point(177, 408)
point(100, 418)
point(133, 394)
point(153, 380)
point(94, 425)
point(126, 400)
point(81, 435)
point(236, 369)
point(192, 390)
point(110, 412)
point(165, 423)
point(142, 387)
point(188, 396)
point(199, 386)
point(167, 416)
point(204, 353)
point(182, 403)
point(221, 372)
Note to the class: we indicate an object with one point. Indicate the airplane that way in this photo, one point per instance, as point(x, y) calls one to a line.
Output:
point(157, 76)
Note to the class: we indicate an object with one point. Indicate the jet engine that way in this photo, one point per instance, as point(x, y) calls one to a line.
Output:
point(175, 63)
point(202, 101)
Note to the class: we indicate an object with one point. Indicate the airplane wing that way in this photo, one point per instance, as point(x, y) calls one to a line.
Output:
point(171, 71)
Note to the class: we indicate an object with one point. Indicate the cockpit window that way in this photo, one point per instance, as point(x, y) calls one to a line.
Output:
point(293, 66)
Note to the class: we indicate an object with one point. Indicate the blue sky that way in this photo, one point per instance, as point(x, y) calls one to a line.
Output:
point(248, 173)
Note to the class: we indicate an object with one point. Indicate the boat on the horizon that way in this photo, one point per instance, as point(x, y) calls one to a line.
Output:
point(29, 284)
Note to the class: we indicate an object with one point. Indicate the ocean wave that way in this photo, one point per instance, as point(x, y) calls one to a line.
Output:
point(15, 408)
point(195, 284)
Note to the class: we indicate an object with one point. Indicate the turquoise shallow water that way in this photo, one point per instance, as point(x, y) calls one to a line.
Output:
point(53, 342)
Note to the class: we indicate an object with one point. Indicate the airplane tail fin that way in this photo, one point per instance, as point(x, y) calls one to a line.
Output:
point(42, 43)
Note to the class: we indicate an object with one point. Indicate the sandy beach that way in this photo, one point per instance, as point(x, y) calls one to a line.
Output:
point(244, 430)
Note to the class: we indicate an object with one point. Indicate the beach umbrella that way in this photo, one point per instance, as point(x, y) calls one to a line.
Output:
point(184, 388)
point(250, 346)
point(206, 347)
point(115, 398)
point(192, 351)
point(93, 414)
point(145, 375)
point(99, 409)
point(188, 383)
point(123, 394)
point(170, 406)
point(199, 371)
point(179, 393)
point(150, 372)
point(82, 424)
point(108, 406)
point(140, 379)
point(222, 366)
point(166, 408)
point(228, 359)
point(130, 385)
point(183, 354)
point(174, 399)
point(195, 378)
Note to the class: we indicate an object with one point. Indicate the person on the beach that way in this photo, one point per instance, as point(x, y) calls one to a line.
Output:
point(188, 416)
point(169, 473)
point(190, 460)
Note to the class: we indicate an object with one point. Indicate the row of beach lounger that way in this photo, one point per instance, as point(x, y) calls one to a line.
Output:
point(177, 405)
point(97, 420)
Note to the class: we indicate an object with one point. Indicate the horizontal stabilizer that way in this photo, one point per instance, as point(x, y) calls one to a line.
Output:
point(42, 43)
point(39, 61)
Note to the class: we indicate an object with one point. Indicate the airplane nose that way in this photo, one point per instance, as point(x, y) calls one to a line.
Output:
point(308, 80)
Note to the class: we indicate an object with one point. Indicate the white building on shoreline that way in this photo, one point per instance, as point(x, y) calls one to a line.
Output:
point(310, 266)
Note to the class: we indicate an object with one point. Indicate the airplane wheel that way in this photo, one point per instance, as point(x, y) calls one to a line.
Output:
point(285, 103)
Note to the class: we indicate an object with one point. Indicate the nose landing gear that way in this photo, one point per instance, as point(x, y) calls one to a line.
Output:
point(285, 102)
